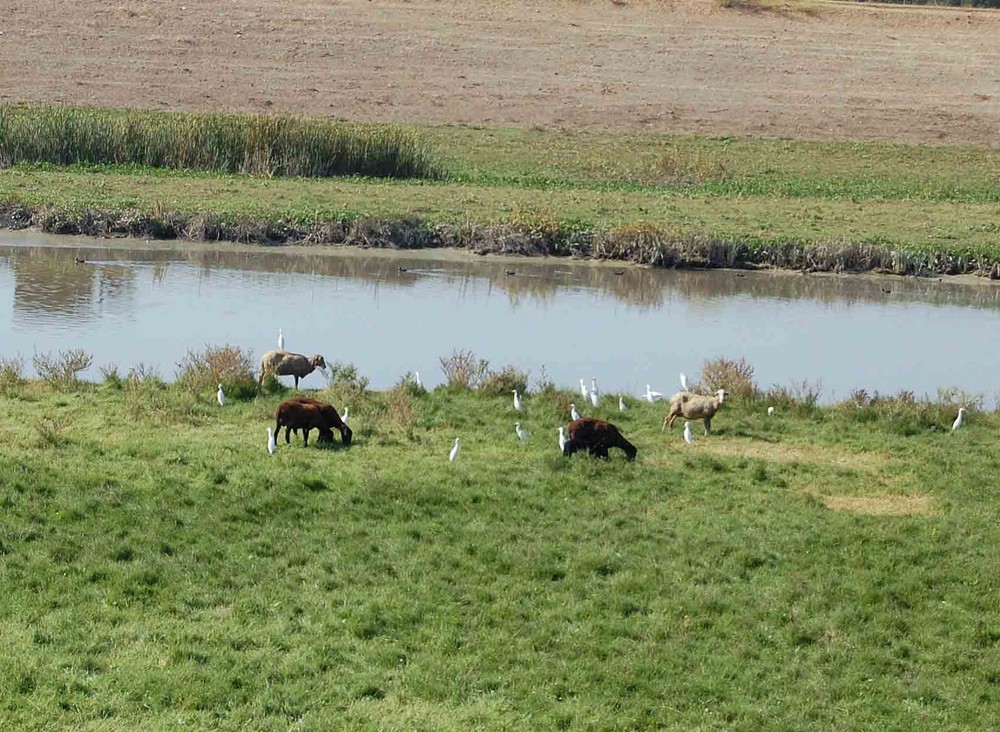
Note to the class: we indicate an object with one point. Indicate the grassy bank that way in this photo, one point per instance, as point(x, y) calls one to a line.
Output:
point(653, 199)
point(819, 568)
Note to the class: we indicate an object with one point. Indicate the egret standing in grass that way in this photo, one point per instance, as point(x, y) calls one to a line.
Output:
point(622, 406)
point(958, 420)
point(416, 379)
point(220, 396)
point(346, 417)
point(517, 402)
point(271, 444)
point(684, 381)
point(573, 413)
point(595, 397)
point(652, 396)
point(522, 434)
point(687, 433)
point(454, 451)
point(281, 340)
point(562, 439)
point(770, 411)
point(583, 389)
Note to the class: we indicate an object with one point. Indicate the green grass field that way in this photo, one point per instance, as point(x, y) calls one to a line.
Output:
point(763, 193)
point(824, 568)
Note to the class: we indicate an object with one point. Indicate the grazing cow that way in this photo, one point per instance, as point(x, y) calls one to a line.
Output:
point(597, 437)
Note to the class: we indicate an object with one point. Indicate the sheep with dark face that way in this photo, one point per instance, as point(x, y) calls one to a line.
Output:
point(596, 436)
point(694, 406)
point(306, 414)
point(283, 363)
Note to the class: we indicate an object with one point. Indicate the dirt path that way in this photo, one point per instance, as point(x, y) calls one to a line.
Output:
point(844, 72)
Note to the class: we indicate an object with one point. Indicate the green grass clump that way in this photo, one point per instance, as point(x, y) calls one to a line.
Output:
point(810, 572)
point(266, 145)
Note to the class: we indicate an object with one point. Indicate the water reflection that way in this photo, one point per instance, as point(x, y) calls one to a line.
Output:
point(389, 312)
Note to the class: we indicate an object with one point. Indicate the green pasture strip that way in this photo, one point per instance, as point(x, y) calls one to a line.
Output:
point(964, 229)
point(161, 570)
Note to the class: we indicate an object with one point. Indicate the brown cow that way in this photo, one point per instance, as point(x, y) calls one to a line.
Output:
point(303, 413)
point(597, 437)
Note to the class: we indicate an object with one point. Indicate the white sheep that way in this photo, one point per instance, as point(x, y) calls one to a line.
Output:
point(694, 406)
point(283, 363)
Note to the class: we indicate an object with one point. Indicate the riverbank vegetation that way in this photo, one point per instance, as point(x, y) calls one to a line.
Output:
point(821, 567)
point(663, 200)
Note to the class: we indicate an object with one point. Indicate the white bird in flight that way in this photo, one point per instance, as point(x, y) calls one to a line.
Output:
point(220, 396)
point(562, 439)
point(687, 433)
point(583, 389)
point(770, 411)
point(517, 402)
point(522, 434)
point(573, 413)
point(346, 417)
point(684, 382)
point(272, 445)
point(958, 419)
point(454, 451)
point(652, 396)
point(622, 406)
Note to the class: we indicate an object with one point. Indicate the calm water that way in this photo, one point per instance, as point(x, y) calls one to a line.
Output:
point(133, 302)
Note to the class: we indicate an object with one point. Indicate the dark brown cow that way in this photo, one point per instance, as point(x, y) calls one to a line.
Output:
point(303, 413)
point(597, 437)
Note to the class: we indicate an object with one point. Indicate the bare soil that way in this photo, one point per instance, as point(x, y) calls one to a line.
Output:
point(842, 71)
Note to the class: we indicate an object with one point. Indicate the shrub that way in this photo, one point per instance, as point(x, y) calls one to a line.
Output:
point(111, 376)
point(228, 365)
point(400, 414)
point(62, 370)
point(800, 397)
point(463, 370)
point(736, 377)
point(504, 381)
point(409, 382)
point(11, 374)
point(346, 375)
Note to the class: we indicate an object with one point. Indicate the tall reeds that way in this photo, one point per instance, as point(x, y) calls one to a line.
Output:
point(230, 143)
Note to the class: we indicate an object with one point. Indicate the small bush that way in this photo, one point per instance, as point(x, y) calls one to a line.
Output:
point(400, 414)
point(504, 381)
point(11, 374)
point(410, 383)
point(228, 365)
point(801, 397)
point(50, 432)
point(545, 386)
point(346, 375)
point(736, 377)
point(111, 376)
point(62, 370)
point(463, 370)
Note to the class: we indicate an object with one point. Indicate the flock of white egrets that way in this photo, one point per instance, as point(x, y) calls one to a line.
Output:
point(593, 395)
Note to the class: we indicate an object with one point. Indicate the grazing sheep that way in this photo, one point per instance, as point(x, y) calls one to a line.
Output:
point(303, 413)
point(597, 437)
point(695, 406)
point(283, 363)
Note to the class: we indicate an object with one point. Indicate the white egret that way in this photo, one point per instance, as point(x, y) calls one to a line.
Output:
point(583, 389)
point(684, 382)
point(573, 413)
point(454, 451)
point(220, 396)
point(416, 378)
point(622, 406)
point(346, 416)
point(652, 396)
point(522, 434)
point(958, 419)
point(687, 433)
point(594, 398)
point(770, 411)
point(272, 445)
point(517, 402)
point(281, 340)
point(562, 439)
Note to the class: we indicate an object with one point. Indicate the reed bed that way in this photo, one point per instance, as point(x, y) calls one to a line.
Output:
point(265, 145)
